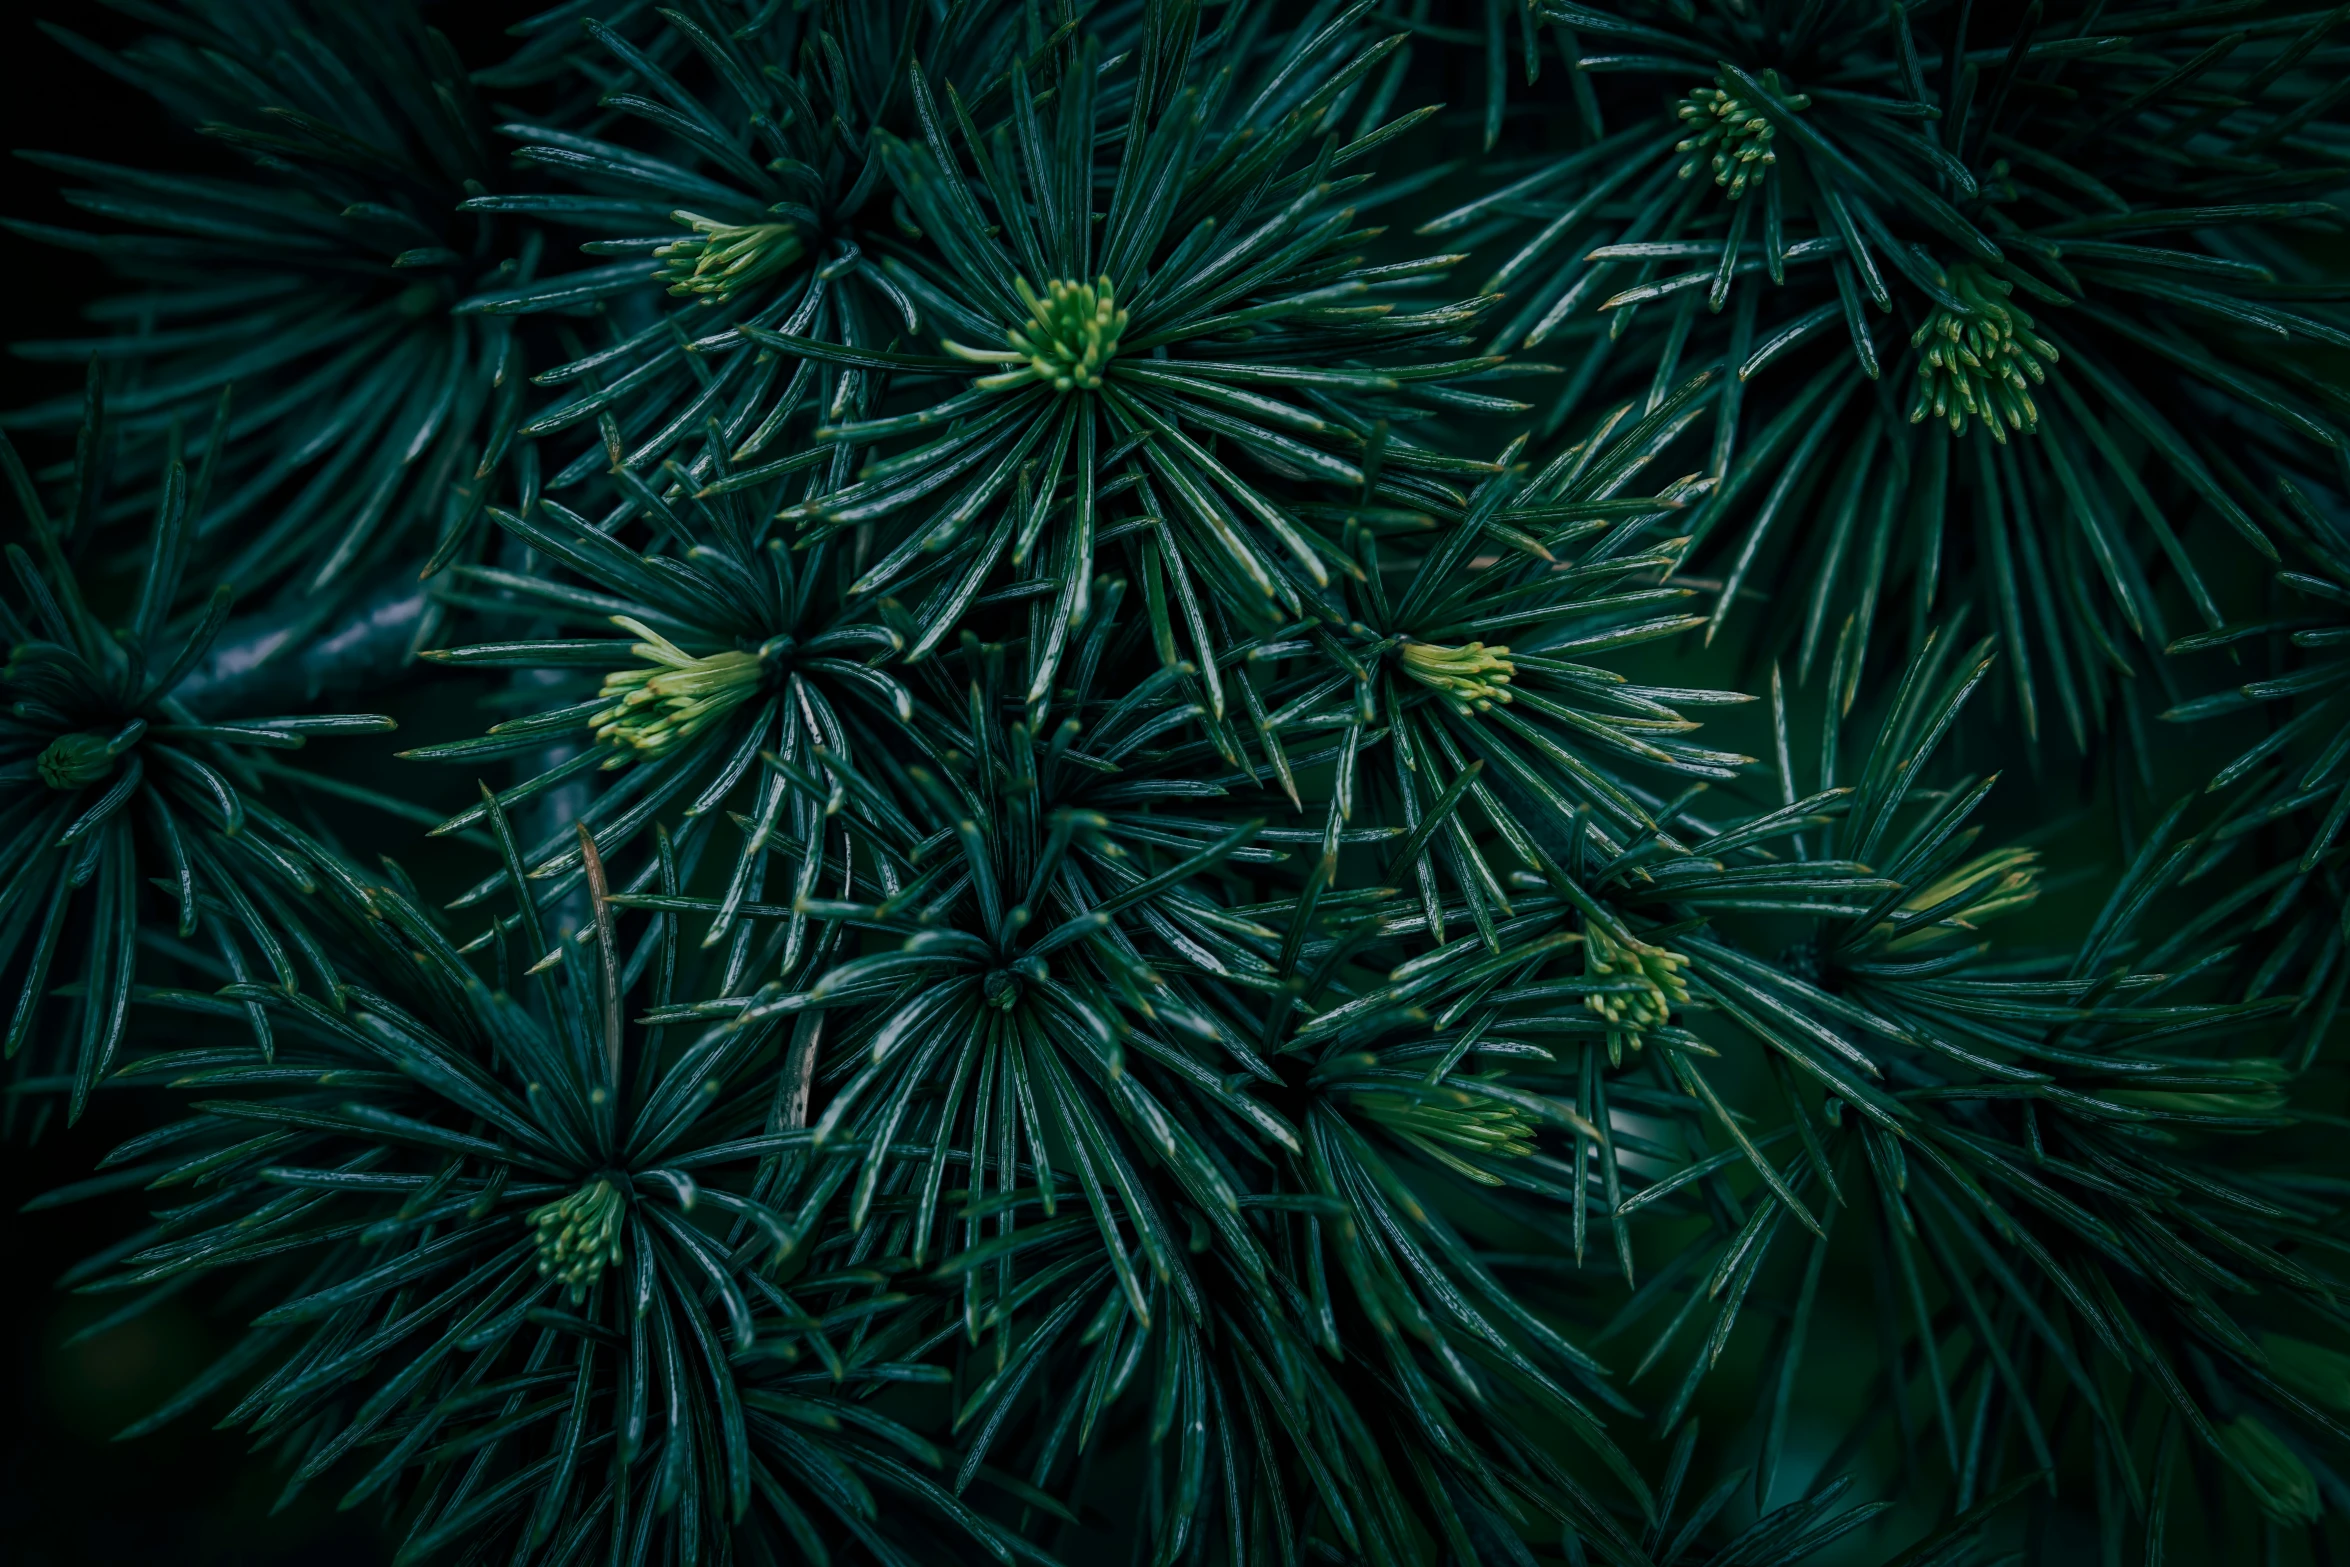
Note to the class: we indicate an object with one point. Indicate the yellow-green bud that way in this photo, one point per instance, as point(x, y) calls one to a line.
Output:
point(1976, 362)
point(1655, 974)
point(1985, 886)
point(1472, 678)
point(1731, 133)
point(1067, 342)
point(721, 259)
point(673, 696)
point(1471, 1123)
point(579, 1236)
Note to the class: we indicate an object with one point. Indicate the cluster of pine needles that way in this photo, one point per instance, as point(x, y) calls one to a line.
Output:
point(1217, 782)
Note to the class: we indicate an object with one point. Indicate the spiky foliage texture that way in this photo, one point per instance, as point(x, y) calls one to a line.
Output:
point(319, 281)
point(1962, 227)
point(739, 176)
point(110, 782)
point(1116, 910)
point(526, 1271)
point(1153, 262)
point(2006, 1114)
point(740, 649)
point(1213, 1211)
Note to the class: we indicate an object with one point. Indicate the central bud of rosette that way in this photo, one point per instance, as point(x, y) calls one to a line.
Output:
point(1731, 133)
point(578, 1237)
point(722, 259)
point(1003, 987)
point(1976, 362)
point(1472, 678)
point(1648, 985)
point(70, 761)
point(1472, 1125)
point(674, 695)
point(1067, 342)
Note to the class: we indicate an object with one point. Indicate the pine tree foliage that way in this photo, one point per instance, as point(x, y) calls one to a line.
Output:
point(319, 284)
point(108, 771)
point(1204, 812)
point(2085, 234)
point(746, 652)
point(765, 202)
point(511, 1323)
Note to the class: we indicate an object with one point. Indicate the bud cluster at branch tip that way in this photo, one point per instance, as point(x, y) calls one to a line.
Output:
point(1067, 342)
point(70, 761)
point(1731, 134)
point(721, 259)
point(579, 1236)
point(1976, 362)
point(1655, 986)
point(1472, 678)
point(672, 697)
